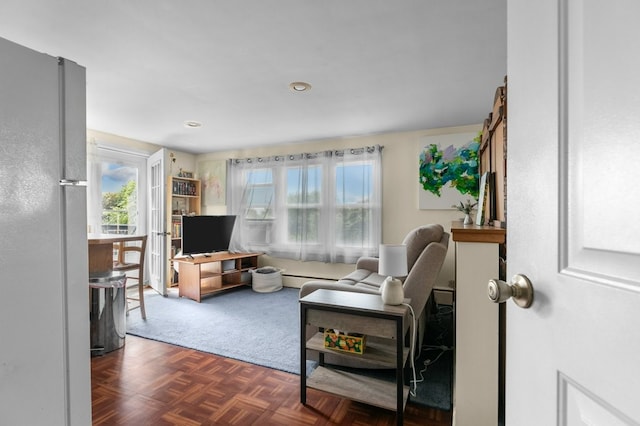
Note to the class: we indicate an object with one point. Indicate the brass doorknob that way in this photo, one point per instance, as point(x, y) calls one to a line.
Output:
point(520, 289)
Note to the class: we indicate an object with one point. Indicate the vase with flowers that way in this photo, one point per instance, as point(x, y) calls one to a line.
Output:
point(466, 208)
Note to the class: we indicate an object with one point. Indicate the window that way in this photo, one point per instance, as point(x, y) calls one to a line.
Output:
point(354, 191)
point(116, 181)
point(119, 184)
point(303, 204)
point(323, 206)
point(259, 194)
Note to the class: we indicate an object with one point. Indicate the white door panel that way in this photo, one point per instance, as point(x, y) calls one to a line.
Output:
point(574, 141)
point(157, 242)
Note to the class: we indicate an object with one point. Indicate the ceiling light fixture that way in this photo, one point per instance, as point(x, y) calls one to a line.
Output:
point(192, 124)
point(299, 86)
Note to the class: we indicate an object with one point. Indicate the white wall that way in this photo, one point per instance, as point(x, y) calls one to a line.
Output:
point(400, 211)
point(119, 141)
point(174, 160)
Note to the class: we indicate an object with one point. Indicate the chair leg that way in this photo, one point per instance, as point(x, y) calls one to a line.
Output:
point(141, 296)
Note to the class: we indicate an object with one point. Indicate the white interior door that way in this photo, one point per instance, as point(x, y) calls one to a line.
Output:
point(573, 203)
point(157, 240)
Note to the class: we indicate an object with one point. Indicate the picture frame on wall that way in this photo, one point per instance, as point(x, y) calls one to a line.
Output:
point(447, 170)
point(483, 196)
point(213, 177)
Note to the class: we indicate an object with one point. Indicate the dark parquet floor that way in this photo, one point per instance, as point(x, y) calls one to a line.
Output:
point(154, 383)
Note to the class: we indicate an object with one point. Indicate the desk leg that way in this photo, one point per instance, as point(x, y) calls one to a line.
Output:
point(303, 355)
point(399, 372)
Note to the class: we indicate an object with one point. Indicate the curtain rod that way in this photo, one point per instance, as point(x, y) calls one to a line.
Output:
point(337, 152)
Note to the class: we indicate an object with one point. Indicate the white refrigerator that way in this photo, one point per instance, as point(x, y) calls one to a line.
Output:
point(45, 375)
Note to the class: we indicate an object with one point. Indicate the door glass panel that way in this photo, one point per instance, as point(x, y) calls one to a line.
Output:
point(119, 198)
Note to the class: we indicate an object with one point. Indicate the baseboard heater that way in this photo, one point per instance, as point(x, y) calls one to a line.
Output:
point(295, 280)
point(306, 277)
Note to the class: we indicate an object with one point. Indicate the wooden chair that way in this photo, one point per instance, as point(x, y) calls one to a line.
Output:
point(139, 247)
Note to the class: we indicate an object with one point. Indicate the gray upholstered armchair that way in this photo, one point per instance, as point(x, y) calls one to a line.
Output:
point(426, 251)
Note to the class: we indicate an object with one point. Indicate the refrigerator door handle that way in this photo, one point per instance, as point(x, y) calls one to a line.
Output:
point(72, 182)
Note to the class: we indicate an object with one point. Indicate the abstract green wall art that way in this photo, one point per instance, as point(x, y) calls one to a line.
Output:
point(448, 170)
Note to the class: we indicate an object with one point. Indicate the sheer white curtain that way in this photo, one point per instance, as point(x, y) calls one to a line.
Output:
point(357, 221)
point(251, 197)
point(322, 206)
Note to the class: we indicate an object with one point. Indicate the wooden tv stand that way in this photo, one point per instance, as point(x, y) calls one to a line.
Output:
point(204, 275)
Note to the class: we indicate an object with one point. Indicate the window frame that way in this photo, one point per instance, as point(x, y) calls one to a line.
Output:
point(277, 238)
point(99, 154)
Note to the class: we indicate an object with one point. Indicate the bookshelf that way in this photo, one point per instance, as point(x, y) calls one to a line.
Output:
point(493, 159)
point(183, 198)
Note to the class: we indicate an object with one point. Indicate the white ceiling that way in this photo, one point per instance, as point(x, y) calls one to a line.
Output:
point(375, 66)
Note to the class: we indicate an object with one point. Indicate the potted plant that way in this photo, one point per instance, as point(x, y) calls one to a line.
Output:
point(466, 208)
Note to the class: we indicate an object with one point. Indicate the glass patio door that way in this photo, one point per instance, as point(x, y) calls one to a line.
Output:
point(157, 241)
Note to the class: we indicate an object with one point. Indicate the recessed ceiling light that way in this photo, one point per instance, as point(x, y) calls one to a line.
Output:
point(192, 124)
point(299, 86)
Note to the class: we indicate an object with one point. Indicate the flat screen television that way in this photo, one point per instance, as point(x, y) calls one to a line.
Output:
point(206, 234)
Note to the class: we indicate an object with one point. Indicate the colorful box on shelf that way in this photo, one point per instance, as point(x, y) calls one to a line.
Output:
point(343, 341)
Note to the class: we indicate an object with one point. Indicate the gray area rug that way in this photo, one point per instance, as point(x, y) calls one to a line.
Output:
point(259, 328)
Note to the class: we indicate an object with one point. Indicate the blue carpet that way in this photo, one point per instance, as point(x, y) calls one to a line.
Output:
point(259, 328)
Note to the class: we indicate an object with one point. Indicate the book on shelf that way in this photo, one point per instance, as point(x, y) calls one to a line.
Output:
point(176, 229)
point(184, 188)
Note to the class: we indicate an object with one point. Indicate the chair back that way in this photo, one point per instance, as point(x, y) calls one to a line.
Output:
point(419, 238)
point(124, 262)
point(426, 252)
point(121, 264)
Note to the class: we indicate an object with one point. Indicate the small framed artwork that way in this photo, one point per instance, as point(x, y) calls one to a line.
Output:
point(447, 170)
point(188, 175)
point(482, 198)
point(213, 175)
